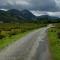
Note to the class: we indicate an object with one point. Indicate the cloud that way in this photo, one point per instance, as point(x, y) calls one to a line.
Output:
point(39, 13)
point(57, 14)
point(57, 2)
point(42, 5)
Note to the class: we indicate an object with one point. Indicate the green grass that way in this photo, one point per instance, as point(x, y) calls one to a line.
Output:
point(10, 32)
point(54, 43)
point(8, 40)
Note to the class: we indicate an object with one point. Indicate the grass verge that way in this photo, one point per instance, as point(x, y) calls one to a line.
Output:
point(12, 32)
point(54, 43)
point(8, 40)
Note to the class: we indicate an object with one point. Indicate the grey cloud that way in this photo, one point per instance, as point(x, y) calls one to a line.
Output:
point(42, 5)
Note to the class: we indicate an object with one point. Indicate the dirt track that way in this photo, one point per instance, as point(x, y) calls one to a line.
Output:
point(33, 46)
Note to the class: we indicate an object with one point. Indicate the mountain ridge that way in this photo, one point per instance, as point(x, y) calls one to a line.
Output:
point(14, 15)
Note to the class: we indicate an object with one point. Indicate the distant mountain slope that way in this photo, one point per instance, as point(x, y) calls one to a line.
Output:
point(14, 15)
point(28, 15)
point(46, 17)
point(7, 17)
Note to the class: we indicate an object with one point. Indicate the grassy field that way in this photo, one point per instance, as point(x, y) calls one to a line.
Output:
point(10, 32)
point(54, 42)
point(8, 40)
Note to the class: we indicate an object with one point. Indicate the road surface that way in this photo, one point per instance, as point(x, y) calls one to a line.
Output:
point(34, 46)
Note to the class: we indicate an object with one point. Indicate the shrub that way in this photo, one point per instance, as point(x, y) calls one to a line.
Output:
point(2, 36)
point(51, 30)
point(12, 33)
point(58, 34)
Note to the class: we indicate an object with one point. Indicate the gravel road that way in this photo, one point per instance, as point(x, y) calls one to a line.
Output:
point(34, 46)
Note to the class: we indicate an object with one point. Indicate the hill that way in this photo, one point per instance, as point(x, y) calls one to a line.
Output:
point(14, 15)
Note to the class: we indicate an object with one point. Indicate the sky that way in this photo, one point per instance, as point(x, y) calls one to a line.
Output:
point(38, 7)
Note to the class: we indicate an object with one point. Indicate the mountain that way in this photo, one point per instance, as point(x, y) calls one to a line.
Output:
point(7, 17)
point(25, 14)
point(1, 11)
point(46, 17)
point(14, 15)
point(28, 15)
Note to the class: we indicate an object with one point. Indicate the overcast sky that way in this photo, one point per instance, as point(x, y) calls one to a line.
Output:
point(34, 5)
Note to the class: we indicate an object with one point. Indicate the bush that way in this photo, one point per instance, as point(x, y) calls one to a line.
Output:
point(12, 33)
point(52, 30)
point(2, 36)
point(58, 34)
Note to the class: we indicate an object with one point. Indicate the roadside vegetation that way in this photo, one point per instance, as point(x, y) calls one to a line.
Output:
point(10, 32)
point(54, 41)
